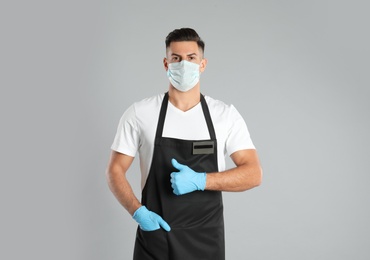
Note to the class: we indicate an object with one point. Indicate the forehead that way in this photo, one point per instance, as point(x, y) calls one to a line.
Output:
point(183, 47)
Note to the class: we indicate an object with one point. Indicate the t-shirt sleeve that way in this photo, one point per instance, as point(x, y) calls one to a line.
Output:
point(238, 137)
point(127, 139)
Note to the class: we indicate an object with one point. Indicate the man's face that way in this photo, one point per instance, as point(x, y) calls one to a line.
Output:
point(185, 50)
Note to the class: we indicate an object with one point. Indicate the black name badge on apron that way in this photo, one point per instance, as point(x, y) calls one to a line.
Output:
point(196, 218)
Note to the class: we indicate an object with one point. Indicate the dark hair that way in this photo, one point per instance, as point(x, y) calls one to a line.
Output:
point(184, 34)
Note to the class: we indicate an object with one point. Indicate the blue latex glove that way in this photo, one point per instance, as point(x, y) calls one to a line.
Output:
point(186, 180)
point(149, 221)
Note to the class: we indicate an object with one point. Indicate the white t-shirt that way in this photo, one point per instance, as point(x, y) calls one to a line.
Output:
point(137, 128)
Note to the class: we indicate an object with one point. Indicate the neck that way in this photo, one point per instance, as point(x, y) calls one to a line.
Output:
point(184, 100)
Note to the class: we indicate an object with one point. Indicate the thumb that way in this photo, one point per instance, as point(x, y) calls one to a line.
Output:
point(177, 165)
point(164, 224)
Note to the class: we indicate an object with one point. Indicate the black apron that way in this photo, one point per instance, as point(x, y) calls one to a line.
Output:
point(196, 218)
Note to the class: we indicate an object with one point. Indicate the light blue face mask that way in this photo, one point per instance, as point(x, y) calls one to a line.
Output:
point(183, 75)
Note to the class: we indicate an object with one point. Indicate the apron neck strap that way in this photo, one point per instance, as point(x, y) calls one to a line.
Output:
point(208, 118)
point(207, 115)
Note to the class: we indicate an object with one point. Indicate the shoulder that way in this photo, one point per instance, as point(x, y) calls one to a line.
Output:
point(149, 103)
point(220, 109)
point(146, 111)
point(145, 107)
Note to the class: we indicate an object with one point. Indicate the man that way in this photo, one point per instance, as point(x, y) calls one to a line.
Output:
point(182, 138)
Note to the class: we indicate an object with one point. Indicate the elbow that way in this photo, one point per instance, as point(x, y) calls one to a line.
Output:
point(111, 176)
point(115, 175)
point(259, 177)
point(254, 180)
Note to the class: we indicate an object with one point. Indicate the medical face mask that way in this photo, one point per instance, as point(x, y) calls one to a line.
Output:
point(183, 75)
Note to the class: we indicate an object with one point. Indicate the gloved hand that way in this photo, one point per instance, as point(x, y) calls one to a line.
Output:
point(149, 221)
point(186, 180)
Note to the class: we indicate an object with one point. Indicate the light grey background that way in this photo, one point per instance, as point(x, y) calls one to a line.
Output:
point(298, 72)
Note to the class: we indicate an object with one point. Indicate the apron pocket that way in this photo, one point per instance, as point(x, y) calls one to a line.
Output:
point(153, 242)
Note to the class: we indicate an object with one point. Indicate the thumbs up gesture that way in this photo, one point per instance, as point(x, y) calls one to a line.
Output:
point(186, 180)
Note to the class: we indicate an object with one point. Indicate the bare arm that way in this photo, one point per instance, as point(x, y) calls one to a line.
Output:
point(117, 181)
point(246, 175)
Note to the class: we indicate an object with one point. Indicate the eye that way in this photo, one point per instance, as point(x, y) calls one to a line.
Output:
point(175, 58)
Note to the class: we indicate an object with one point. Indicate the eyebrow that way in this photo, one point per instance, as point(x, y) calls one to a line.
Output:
point(177, 55)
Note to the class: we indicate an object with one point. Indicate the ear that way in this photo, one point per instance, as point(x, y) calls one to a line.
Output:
point(165, 64)
point(203, 64)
